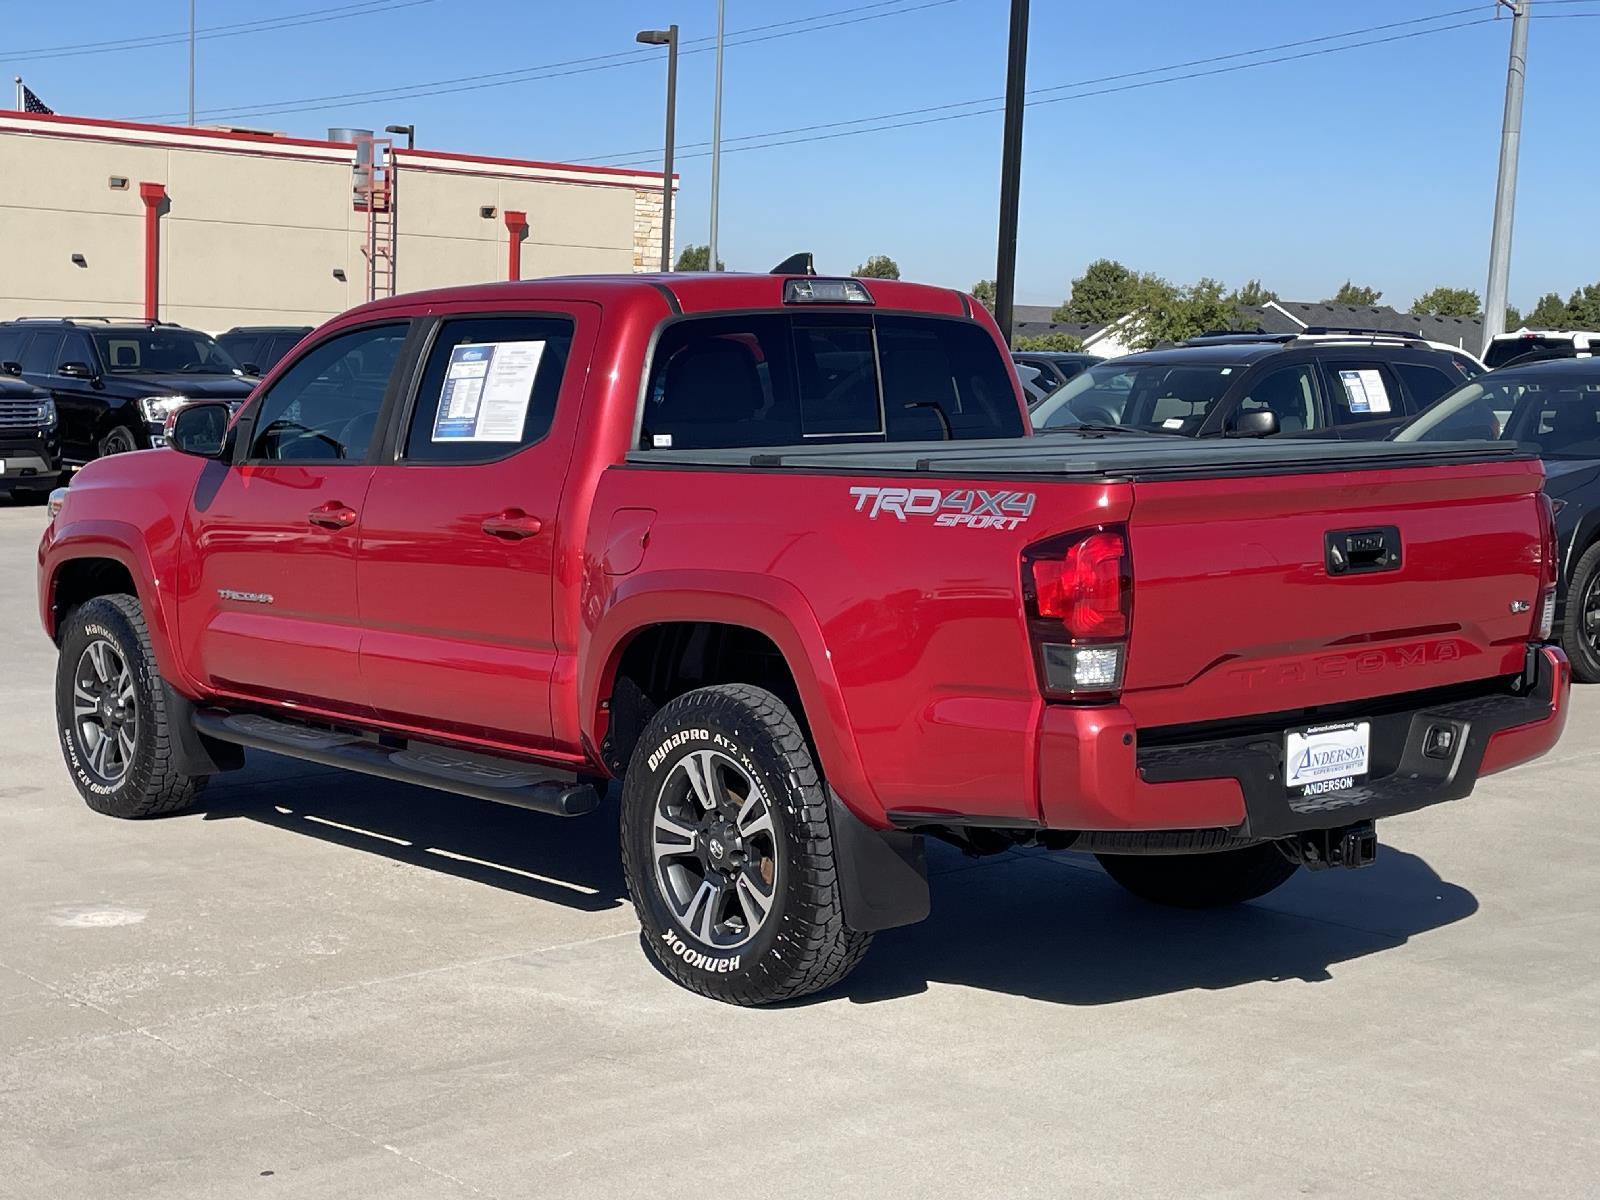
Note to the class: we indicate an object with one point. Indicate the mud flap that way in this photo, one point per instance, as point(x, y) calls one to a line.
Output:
point(192, 752)
point(883, 873)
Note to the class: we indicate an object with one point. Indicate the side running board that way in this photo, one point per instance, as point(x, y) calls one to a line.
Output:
point(503, 780)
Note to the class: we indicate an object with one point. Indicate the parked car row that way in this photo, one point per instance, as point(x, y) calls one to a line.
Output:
point(780, 554)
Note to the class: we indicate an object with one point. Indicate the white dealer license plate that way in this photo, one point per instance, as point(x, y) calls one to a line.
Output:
point(1326, 758)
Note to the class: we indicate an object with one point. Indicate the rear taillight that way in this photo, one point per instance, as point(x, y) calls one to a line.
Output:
point(1550, 573)
point(1077, 590)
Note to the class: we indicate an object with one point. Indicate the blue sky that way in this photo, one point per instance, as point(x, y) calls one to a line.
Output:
point(1375, 163)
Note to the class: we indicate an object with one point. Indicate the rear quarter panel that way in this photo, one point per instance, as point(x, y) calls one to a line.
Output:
point(907, 637)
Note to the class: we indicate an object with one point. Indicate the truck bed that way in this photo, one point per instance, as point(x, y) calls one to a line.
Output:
point(1111, 456)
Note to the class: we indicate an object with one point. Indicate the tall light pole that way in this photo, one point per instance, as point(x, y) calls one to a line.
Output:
point(716, 148)
point(1505, 196)
point(667, 37)
point(409, 130)
point(191, 64)
point(1005, 275)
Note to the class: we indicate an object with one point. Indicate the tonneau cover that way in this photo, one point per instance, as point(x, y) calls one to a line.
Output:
point(1094, 456)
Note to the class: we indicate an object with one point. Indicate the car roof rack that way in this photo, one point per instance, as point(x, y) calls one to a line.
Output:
point(1220, 337)
point(69, 320)
point(1357, 331)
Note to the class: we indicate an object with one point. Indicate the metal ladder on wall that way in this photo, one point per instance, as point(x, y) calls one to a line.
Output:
point(375, 192)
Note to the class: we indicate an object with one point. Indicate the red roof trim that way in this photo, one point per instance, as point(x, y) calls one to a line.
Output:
point(270, 139)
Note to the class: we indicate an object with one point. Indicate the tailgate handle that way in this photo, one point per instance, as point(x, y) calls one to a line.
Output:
point(1362, 551)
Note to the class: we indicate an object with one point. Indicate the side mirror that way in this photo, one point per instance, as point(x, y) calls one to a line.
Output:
point(11, 368)
point(200, 429)
point(76, 370)
point(1257, 422)
point(250, 369)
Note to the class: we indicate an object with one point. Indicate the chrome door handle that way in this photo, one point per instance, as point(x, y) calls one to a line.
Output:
point(512, 525)
point(332, 515)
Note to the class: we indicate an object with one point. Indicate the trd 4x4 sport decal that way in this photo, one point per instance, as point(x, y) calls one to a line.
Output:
point(972, 507)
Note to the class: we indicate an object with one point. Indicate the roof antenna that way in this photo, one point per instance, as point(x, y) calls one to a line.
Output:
point(795, 264)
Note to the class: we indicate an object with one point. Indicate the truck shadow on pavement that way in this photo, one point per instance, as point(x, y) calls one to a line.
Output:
point(1048, 926)
point(574, 862)
point(1055, 927)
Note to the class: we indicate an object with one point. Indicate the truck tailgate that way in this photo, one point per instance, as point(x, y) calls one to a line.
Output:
point(1236, 610)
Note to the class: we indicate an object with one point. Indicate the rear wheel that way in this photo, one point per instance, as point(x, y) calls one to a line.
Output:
point(728, 851)
point(111, 714)
point(1580, 623)
point(1201, 880)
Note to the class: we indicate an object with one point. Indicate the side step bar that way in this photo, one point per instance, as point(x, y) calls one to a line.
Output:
point(503, 780)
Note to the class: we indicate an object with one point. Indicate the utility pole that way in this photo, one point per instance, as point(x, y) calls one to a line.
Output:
point(1505, 196)
point(716, 146)
point(1005, 275)
point(191, 64)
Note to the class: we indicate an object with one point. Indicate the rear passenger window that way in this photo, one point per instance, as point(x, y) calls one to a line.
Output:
point(1362, 392)
point(783, 379)
point(489, 388)
point(1426, 384)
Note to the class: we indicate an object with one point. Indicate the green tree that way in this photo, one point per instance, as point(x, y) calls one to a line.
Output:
point(1549, 313)
point(1105, 291)
point(697, 258)
point(1513, 317)
point(1048, 341)
point(1169, 314)
point(879, 266)
point(1350, 293)
point(1448, 302)
point(1252, 294)
point(983, 293)
point(1583, 307)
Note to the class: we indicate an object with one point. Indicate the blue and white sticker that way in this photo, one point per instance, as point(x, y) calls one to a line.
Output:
point(1326, 754)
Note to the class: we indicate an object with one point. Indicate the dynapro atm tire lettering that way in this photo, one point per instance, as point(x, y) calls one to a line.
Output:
point(972, 507)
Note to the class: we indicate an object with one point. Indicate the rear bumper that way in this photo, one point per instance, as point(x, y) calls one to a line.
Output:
point(1094, 776)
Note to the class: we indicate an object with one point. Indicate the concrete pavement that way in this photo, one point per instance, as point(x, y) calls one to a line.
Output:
point(322, 985)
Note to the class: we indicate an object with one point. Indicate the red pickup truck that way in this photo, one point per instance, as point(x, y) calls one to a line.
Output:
point(775, 552)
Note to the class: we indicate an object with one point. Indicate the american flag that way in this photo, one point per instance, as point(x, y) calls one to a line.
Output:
point(32, 103)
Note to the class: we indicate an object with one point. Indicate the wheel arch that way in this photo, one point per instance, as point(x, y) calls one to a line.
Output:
point(96, 559)
point(684, 630)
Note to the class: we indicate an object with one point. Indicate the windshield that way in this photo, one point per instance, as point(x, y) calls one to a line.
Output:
point(163, 352)
point(1172, 397)
point(1554, 413)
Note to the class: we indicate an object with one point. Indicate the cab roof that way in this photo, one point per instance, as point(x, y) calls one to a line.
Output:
point(687, 292)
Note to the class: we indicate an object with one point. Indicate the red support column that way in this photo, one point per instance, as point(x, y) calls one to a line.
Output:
point(517, 229)
point(154, 196)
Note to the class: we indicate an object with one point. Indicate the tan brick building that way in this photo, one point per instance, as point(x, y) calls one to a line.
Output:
point(224, 227)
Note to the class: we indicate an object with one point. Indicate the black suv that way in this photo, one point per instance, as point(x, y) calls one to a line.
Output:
point(30, 439)
point(1327, 383)
point(114, 381)
point(257, 348)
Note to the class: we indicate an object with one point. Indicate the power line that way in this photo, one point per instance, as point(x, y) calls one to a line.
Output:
point(315, 16)
point(910, 112)
point(597, 62)
point(842, 133)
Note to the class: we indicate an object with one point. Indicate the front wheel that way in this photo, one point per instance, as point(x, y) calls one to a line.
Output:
point(118, 441)
point(1201, 880)
point(1580, 623)
point(111, 714)
point(728, 852)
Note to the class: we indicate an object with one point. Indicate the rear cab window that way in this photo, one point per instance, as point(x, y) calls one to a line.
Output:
point(778, 379)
